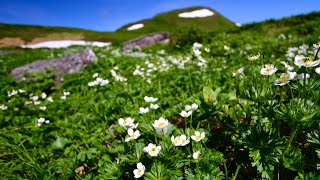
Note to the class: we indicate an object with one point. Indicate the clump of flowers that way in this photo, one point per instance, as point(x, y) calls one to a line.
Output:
point(42, 120)
point(143, 110)
point(3, 107)
point(150, 99)
point(116, 76)
point(65, 94)
point(128, 122)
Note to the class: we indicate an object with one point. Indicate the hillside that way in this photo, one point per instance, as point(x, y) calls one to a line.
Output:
point(16, 34)
point(170, 21)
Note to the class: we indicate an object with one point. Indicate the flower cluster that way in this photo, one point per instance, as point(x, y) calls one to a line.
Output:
point(98, 81)
point(41, 121)
point(127, 123)
point(188, 110)
point(116, 76)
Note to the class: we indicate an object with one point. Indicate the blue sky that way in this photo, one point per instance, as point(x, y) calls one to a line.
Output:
point(108, 15)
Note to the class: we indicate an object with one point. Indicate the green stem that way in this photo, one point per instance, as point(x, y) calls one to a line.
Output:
point(292, 135)
point(191, 121)
point(259, 115)
point(236, 174)
point(226, 169)
point(315, 57)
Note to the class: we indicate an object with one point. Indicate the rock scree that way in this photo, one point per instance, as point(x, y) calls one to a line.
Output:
point(66, 65)
point(146, 40)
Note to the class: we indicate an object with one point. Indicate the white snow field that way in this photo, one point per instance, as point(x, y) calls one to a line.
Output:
point(65, 44)
point(200, 13)
point(135, 26)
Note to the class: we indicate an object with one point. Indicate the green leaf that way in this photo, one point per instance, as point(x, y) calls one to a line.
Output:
point(60, 143)
point(209, 95)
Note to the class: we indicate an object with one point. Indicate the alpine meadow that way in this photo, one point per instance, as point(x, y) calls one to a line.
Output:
point(219, 101)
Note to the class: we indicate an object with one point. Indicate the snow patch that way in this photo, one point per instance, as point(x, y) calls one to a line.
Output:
point(135, 26)
point(196, 13)
point(65, 44)
point(238, 24)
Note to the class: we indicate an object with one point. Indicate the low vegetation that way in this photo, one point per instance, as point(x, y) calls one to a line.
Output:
point(240, 104)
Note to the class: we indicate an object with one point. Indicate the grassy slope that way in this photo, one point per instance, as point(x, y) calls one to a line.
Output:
point(170, 21)
point(163, 22)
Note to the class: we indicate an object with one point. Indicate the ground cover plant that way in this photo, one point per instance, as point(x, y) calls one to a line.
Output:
point(236, 105)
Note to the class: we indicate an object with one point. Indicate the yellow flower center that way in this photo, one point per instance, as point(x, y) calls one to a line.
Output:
point(176, 141)
point(307, 60)
point(284, 78)
point(140, 171)
point(198, 136)
point(162, 124)
point(153, 149)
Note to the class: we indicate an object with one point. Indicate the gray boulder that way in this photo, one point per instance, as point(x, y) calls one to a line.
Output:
point(66, 65)
point(147, 40)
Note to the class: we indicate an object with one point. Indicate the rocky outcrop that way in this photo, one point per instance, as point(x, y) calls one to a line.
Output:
point(66, 65)
point(147, 40)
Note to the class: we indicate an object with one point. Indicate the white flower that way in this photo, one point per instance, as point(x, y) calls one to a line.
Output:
point(139, 171)
point(132, 134)
point(194, 106)
point(93, 83)
point(28, 102)
point(21, 91)
point(3, 107)
point(302, 76)
point(176, 141)
point(196, 155)
point(187, 108)
point(63, 97)
point(198, 136)
point(104, 82)
point(268, 70)
point(185, 113)
point(197, 45)
point(287, 66)
point(43, 95)
point(143, 110)
point(318, 70)
point(128, 122)
point(285, 78)
point(50, 99)
point(12, 93)
point(152, 149)
point(161, 123)
point(154, 106)
point(34, 98)
point(66, 93)
point(42, 120)
point(95, 75)
point(42, 108)
point(37, 103)
point(184, 140)
point(239, 71)
point(150, 99)
point(300, 60)
point(253, 57)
